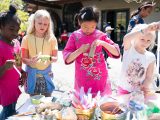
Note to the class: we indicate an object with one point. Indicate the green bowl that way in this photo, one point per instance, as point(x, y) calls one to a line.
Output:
point(37, 99)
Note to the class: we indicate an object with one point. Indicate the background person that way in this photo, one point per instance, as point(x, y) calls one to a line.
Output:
point(143, 11)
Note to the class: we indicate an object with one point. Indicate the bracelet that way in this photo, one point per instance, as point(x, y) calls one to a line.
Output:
point(142, 31)
point(22, 71)
point(50, 58)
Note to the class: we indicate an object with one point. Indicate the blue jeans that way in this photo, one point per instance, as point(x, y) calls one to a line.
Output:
point(8, 111)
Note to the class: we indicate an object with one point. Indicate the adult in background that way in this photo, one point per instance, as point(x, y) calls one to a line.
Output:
point(143, 11)
point(64, 38)
point(108, 31)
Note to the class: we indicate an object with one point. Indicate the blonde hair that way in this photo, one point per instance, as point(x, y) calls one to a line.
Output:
point(139, 27)
point(36, 15)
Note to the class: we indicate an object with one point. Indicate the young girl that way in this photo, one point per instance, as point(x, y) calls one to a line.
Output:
point(138, 63)
point(9, 77)
point(39, 50)
point(85, 48)
point(138, 16)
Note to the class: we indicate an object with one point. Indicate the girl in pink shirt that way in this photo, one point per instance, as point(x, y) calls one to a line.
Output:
point(9, 77)
point(85, 48)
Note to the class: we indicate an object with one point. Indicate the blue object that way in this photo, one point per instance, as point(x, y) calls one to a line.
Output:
point(135, 106)
point(133, 21)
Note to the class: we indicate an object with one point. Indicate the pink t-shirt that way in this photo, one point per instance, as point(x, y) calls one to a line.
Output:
point(90, 73)
point(9, 81)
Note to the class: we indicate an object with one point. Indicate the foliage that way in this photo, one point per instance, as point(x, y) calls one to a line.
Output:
point(4, 6)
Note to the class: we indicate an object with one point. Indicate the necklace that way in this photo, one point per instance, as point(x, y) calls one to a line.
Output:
point(36, 44)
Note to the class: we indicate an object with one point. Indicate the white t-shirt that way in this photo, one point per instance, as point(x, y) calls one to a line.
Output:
point(134, 68)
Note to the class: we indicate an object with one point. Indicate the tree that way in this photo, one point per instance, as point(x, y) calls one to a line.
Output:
point(4, 6)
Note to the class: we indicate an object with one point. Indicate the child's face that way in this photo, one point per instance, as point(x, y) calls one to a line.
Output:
point(146, 12)
point(145, 41)
point(41, 25)
point(88, 27)
point(10, 30)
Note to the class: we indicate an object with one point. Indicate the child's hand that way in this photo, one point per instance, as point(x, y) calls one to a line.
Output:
point(158, 25)
point(33, 60)
point(9, 64)
point(152, 27)
point(145, 89)
point(84, 48)
point(97, 43)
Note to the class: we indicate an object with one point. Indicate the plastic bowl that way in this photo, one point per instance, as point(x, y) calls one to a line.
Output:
point(37, 99)
point(108, 108)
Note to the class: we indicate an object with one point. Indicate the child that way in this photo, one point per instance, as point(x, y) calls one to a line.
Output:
point(90, 68)
point(138, 63)
point(138, 16)
point(9, 77)
point(39, 50)
point(64, 38)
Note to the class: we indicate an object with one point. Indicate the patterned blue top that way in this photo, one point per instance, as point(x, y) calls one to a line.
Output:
point(133, 21)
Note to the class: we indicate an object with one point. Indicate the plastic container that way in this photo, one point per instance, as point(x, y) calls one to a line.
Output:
point(37, 99)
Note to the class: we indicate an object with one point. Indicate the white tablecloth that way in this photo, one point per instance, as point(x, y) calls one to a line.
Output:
point(29, 107)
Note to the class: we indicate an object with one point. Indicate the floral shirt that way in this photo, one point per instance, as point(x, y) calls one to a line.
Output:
point(90, 72)
point(134, 67)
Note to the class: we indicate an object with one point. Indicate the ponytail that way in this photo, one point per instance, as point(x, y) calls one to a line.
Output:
point(135, 13)
point(76, 22)
point(88, 14)
point(6, 17)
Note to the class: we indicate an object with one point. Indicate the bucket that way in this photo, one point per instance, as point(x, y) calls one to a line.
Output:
point(87, 114)
point(112, 111)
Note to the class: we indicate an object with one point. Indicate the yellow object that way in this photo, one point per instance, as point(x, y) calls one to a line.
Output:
point(88, 113)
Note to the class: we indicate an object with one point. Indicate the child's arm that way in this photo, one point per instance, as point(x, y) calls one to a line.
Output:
point(129, 37)
point(25, 57)
point(25, 53)
point(71, 52)
point(110, 47)
point(8, 65)
point(149, 78)
point(54, 57)
point(54, 54)
point(133, 35)
point(77, 52)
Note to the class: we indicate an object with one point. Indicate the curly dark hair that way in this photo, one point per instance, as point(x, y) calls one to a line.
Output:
point(6, 17)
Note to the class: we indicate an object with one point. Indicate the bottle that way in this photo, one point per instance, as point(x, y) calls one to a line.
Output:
point(91, 52)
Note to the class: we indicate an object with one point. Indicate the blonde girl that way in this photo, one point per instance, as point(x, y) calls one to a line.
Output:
point(138, 63)
point(39, 50)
